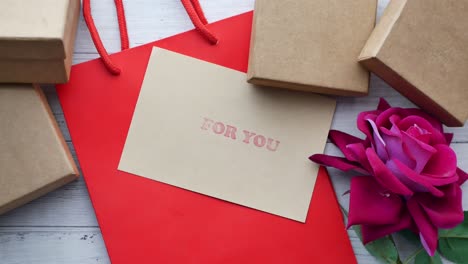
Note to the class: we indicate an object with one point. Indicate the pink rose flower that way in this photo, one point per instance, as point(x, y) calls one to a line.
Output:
point(410, 176)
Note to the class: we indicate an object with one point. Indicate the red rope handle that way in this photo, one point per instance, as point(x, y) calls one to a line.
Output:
point(193, 8)
point(198, 19)
point(97, 39)
point(124, 43)
point(199, 11)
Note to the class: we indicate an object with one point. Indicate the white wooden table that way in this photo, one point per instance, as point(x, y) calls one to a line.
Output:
point(61, 227)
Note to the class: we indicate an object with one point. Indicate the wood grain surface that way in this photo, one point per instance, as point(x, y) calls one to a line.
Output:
point(61, 227)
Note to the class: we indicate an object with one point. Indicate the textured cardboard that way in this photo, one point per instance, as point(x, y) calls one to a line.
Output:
point(420, 48)
point(34, 158)
point(223, 137)
point(37, 39)
point(311, 45)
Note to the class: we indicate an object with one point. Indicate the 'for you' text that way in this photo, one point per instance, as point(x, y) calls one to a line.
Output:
point(231, 132)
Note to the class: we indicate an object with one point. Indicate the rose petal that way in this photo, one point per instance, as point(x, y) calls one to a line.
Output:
point(383, 105)
point(358, 154)
point(374, 232)
point(437, 136)
point(378, 141)
point(419, 134)
point(370, 204)
point(448, 138)
point(336, 162)
point(384, 176)
point(445, 212)
point(395, 119)
point(442, 164)
point(424, 179)
point(419, 151)
point(418, 112)
point(427, 231)
point(428, 245)
point(363, 124)
point(462, 176)
point(389, 117)
point(416, 182)
point(395, 129)
point(395, 147)
point(341, 140)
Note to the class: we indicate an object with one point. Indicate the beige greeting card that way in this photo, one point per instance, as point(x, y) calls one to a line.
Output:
point(202, 127)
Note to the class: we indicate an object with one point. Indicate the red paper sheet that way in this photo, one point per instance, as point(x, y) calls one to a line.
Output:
point(144, 221)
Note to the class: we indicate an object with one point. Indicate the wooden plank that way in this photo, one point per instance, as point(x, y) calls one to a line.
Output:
point(52, 245)
point(49, 245)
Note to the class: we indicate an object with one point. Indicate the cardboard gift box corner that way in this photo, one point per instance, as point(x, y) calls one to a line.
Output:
point(37, 40)
point(34, 158)
point(420, 48)
point(311, 46)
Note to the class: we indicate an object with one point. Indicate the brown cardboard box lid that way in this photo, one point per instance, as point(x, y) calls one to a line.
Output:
point(420, 47)
point(311, 45)
point(32, 29)
point(34, 158)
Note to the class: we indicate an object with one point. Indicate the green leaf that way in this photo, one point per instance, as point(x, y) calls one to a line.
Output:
point(383, 249)
point(413, 255)
point(410, 236)
point(454, 249)
point(424, 258)
point(461, 231)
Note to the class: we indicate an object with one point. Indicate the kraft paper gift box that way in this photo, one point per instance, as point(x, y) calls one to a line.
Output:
point(311, 45)
point(37, 39)
point(34, 158)
point(420, 48)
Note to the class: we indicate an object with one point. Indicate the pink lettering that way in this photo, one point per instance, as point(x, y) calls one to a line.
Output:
point(248, 136)
point(207, 123)
point(270, 145)
point(259, 141)
point(218, 128)
point(230, 132)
